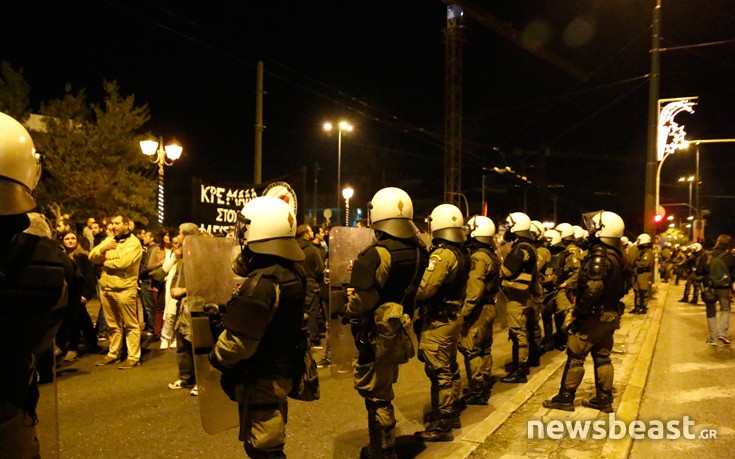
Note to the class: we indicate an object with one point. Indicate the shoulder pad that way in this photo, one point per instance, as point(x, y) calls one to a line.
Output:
point(364, 268)
point(250, 311)
point(598, 265)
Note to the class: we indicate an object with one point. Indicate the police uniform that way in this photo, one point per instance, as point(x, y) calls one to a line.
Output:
point(643, 281)
point(692, 280)
point(442, 292)
point(478, 312)
point(543, 258)
point(385, 277)
point(518, 275)
point(37, 281)
point(596, 317)
point(257, 351)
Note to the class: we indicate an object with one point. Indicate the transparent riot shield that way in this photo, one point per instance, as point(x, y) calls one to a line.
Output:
point(209, 285)
point(344, 246)
point(501, 309)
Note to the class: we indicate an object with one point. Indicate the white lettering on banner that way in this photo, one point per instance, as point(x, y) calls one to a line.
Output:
point(210, 194)
point(226, 215)
point(214, 230)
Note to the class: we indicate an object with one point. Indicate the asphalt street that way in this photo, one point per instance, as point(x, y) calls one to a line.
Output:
point(106, 412)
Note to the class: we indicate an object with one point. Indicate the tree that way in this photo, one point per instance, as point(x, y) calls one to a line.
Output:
point(14, 92)
point(92, 164)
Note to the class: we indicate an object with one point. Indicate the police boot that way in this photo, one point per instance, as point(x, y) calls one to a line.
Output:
point(684, 299)
point(694, 299)
point(512, 366)
point(518, 376)
point(602, 401)
point(564, 400)
point(438, 430)
point(479, 395)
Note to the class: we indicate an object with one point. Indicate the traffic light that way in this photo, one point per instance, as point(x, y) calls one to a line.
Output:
point(658, 218)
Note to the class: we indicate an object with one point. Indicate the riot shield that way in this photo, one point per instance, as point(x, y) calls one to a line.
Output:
point(209, 285)
point(344, 246)
point(501, 309)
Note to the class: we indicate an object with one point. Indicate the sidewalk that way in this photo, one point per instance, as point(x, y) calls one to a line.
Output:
point(503, 434)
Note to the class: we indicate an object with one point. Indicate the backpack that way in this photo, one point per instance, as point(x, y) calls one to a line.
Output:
point(719, 274)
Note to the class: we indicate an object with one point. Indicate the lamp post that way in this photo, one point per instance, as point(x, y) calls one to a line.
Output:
point(163, 156)
point(347, 194)
point(341, 126)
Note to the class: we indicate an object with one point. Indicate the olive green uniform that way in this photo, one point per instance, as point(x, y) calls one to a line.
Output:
point(442, 289)
point(385, 278)
point(257, 352)
point(643, 281)
point(596, 317)
point(478, 314)
point(518, 275)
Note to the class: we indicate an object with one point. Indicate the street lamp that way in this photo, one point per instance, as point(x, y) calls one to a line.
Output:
point(690, 180)
point(163, 156)
point(347, 194)
point(341, 126)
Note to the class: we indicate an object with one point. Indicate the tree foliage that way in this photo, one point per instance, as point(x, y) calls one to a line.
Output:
point(14, 92)
point(92, 162)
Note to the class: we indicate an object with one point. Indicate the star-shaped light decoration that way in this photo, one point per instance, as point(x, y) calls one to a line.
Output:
point(671, 135)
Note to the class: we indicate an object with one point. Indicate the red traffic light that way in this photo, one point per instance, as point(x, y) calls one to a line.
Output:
point(657, 218)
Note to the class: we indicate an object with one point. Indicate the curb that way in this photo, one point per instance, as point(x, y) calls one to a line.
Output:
point(627, 411)
point(495, 420)
point(630, 403)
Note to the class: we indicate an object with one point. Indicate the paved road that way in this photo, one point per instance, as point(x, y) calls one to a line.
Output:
point(106, 412)
point(689, 377)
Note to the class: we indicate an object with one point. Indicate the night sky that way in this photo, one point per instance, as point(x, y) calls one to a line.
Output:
point(380, 64)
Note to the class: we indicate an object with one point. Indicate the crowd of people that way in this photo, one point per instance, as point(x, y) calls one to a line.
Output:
point(562, 288)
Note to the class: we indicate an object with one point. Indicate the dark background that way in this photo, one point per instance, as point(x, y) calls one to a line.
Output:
point(380, 64)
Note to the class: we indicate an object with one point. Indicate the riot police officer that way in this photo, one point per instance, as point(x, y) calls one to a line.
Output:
point(596, 314)
point(478, 310)
point(263, 325)
point(551, 316)
point(690, 272)
point(382, 293)
point(37, 281)
point(643, 272)
point(442, 292)
point(519, 277)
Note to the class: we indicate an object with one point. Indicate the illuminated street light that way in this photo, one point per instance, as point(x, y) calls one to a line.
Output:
point(163, 156)
point(690, 180)
point(347, 194)
point(342, 126)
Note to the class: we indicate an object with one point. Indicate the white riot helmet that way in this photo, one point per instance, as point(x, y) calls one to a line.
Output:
point(537, 229)
point(695, 247)
point(446, 222)
point(566, 231)
point(267, 226)
point(606, 226)
point(391, 211)
point(553, 237)
point(579, 233)
point(481, 228)
point(643, 239)
point(625, 241)
point(20, 168)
